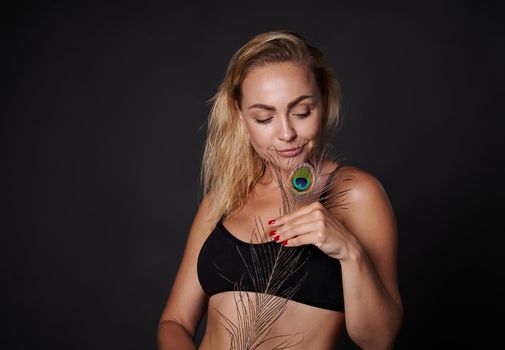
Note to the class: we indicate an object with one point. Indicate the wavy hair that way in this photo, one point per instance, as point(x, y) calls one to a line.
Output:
point(230, 166)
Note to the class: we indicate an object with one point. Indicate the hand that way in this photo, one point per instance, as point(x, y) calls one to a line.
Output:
point(314, 224)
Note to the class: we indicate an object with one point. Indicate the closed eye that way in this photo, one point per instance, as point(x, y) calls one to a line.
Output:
point(303, 115)
point(264, 121)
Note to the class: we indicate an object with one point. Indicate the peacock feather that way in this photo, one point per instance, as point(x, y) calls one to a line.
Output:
point(271, 267)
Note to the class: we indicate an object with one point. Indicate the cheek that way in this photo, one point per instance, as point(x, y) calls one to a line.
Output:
point(311, 127)
point(260, 135)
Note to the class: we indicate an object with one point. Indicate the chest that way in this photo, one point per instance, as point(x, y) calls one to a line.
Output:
point(303, 274)
point(250, 222)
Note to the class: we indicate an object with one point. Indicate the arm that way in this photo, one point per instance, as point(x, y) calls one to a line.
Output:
point(373, 305)
point(363, 237)
point(187, 301)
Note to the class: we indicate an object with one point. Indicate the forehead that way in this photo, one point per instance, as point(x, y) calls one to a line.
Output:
point(276, 82)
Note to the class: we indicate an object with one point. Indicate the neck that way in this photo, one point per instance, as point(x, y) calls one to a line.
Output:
point(270, 176)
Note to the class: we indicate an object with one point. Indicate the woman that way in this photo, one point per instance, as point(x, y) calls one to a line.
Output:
point(274, 109)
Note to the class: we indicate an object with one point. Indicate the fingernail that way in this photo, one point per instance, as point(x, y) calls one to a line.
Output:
point(271, 222)
point(272, 232)
point(276, 238)
point(285, 242)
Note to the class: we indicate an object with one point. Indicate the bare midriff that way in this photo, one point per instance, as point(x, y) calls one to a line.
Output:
point(306, 326)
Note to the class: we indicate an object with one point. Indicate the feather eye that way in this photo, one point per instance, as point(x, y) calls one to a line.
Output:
point(302, 178)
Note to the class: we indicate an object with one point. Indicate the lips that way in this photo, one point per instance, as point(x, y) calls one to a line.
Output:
point(290, 152)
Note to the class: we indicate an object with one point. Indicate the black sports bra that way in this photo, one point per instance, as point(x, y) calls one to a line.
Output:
point(224, 264)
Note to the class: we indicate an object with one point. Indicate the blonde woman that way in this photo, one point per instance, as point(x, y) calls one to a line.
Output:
point(279, 99)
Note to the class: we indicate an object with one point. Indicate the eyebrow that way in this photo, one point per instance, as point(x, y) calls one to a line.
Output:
point(290, 104)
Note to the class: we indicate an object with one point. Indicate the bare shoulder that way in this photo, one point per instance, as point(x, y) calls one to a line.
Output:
point(203, 222)
point(362, 184)
point(362, 197)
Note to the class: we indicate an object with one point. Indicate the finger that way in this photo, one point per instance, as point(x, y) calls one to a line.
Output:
point(309, 238)
point(294, 214)
point(295, 226)
point(290, 230)
point(316, 217)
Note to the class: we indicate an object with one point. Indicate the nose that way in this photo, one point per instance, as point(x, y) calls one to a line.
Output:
point(286, 131)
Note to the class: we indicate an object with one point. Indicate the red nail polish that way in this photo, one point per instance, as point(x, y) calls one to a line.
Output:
point(285, 242)
point(276, 238)
point(272, 232)
point(271, 222)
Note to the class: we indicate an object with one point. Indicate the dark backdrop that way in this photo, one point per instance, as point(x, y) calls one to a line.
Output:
point(103, 123)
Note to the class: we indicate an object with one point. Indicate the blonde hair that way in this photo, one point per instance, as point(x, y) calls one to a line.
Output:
point(230, 166)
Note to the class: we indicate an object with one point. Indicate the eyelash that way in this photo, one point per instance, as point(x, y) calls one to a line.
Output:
point(266, 121)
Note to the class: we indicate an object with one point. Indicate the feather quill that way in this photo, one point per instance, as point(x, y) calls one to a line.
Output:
point(271, 267)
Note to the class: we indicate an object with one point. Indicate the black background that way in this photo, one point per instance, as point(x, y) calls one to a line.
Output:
point(103, 123)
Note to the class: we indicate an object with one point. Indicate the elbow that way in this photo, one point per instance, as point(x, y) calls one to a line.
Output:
point(383, 337)
point(382, 342)
point(172, 334)
point(173, 323)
